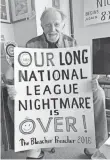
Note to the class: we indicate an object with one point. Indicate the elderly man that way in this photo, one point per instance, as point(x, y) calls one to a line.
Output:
point(52, 22)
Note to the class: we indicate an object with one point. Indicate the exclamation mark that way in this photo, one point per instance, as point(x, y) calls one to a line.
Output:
point(84, 123)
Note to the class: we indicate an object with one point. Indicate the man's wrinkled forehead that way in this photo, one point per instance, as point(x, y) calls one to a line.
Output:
point(51, 16)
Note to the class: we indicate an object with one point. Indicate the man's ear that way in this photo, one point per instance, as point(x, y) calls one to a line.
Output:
point(63, 25)
point(42, 26)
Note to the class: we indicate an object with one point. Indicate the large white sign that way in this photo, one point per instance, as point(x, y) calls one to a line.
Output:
point(96, 11)
point(54, 101)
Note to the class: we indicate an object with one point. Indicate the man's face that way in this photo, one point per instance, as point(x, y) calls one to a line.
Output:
point(52, 25)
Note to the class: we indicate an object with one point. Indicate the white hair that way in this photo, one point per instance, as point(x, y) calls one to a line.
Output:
point(52, 9)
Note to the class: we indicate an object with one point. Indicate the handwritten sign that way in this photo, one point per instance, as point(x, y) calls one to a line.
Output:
point(54, 101)
point(96, 11)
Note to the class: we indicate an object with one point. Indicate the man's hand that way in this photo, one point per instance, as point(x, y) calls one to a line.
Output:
point(11, 91)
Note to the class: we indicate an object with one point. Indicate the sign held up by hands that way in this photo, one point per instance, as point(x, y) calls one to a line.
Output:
point(54, 101)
